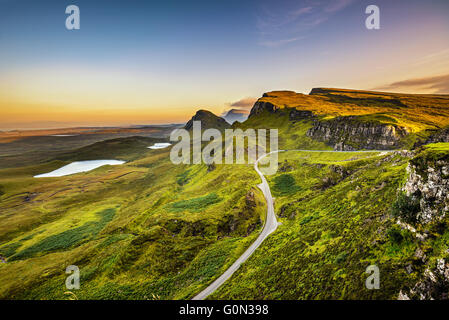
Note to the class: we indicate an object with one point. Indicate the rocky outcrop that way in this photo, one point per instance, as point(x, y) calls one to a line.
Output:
point(186, 228)
point(295, 114)
point(433, 286)
point(208, 121)
point(348, 133)
point(431, 182)
point(336, 174)
point(243, 221)
point(438, 136)
point(261, 106)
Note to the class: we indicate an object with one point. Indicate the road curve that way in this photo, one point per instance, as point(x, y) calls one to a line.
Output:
point(270, 226)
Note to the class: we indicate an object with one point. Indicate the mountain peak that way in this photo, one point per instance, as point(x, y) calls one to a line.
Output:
point(234, 115)
point(208, 121)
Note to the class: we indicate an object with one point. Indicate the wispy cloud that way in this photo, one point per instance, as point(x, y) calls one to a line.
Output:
point(281, 24)
point(301, 11)
point(437, 84)
point(243, 105)
point(337, 5)
point(442, 55)
point(277, 43)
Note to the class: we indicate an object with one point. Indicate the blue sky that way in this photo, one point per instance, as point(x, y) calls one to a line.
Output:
point(160, 61)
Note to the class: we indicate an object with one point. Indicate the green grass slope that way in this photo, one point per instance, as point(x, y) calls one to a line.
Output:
point(412, 117)
point(292, 134)
point(414, 111)
point(336, 215)
point(150, 229)
point(141, 230)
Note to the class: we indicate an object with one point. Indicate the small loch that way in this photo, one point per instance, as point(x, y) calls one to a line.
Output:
point(160, 145)
point(79, 166)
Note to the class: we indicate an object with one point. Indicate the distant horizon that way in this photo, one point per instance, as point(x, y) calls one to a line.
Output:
point(61, 125)
point(38, 127)
point(144, 60)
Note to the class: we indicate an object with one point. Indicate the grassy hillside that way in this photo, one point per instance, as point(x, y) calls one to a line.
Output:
point(149, 229)
point(143, 228)
point(292, 134)
point(416, 112)
point(336, 215)
point(23, 148)
point(352, 120)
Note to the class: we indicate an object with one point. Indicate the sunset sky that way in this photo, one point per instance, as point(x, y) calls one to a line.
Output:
point(143, 62)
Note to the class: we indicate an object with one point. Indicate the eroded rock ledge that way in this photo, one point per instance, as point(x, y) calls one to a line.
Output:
point(431, 182)
point(348, 133)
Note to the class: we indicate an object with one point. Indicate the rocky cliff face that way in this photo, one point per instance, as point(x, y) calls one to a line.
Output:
point(293, 113)
point(261, 106)
point(438, 136)
point(430, 181)
point(433, 286)
point(362, 119)
point(300, 115)
point(342, 133)
point(347, 133)
point(427, 186)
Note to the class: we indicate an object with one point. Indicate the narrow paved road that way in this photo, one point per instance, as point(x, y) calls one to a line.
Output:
point(271, 225)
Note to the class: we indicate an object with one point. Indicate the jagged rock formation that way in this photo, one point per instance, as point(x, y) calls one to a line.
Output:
point(208, 121)
point(433, 286)
point(293, 113)
point(431, 182)
point(348, 133)
point(261, 106)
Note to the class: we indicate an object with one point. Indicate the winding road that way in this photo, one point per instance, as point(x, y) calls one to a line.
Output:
point(270, 226)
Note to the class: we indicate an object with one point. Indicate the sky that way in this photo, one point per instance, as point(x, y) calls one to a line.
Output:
point(152, 62)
